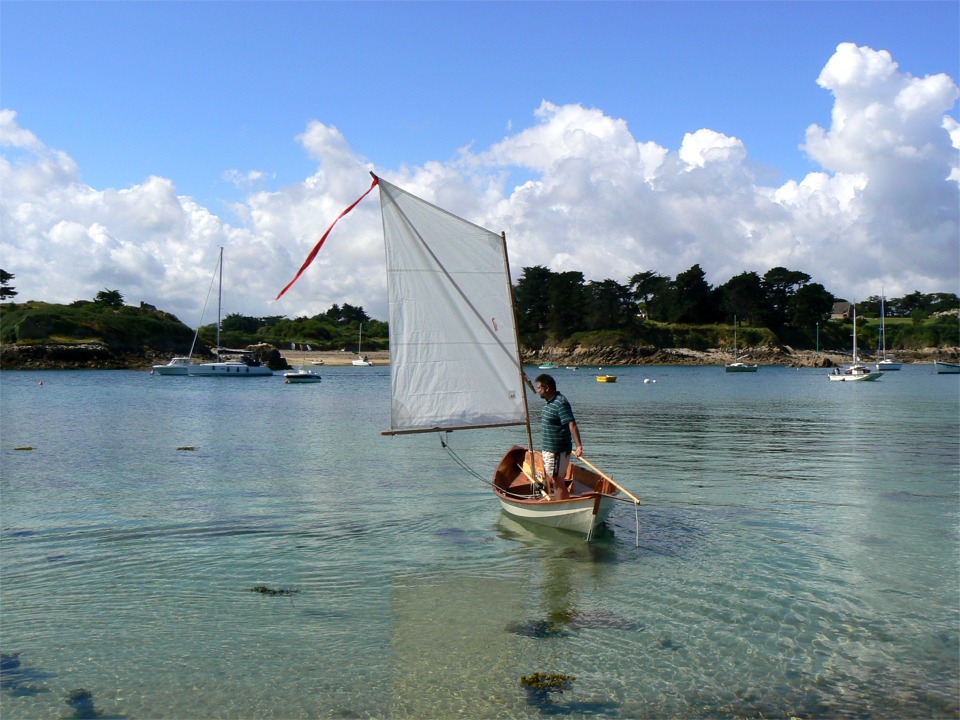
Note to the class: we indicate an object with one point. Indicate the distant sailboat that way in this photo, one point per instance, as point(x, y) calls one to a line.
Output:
point(738, 366)
point(855, 372)
point(885, 363)
point(362, 360)
point(245, 367)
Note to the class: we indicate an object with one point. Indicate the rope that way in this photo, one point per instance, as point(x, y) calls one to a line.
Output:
point(459, 461)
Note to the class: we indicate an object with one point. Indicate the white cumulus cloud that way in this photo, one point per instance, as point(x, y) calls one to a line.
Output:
point(880, 212)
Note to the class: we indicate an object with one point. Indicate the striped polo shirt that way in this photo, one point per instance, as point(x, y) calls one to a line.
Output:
point(555, 425)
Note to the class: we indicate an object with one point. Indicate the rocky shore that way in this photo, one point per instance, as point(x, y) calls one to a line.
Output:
point(97, 356)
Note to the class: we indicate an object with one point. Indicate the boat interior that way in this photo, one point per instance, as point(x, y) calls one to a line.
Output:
point(519, 478)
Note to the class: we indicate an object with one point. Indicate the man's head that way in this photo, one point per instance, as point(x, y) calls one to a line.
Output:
point(546, 386)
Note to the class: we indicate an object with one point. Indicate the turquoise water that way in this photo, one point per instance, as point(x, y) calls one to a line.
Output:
point(798, 552)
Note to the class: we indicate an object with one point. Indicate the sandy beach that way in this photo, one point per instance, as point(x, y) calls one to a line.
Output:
point(296, 358)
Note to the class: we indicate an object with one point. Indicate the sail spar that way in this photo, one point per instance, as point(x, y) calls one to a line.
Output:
point(453, 343)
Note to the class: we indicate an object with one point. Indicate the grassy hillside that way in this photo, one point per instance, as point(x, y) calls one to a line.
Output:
point(123, 328)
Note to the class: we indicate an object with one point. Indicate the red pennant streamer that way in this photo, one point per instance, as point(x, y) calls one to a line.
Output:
point(316, 248)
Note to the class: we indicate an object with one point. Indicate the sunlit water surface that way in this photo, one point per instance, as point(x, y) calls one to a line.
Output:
point(798, 552)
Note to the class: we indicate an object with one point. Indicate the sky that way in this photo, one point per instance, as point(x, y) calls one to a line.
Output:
point(611, 138)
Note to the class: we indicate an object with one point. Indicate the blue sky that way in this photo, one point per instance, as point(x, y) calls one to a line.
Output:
point(215, 96)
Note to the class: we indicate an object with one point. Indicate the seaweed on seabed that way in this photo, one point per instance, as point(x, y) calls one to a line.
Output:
point(540, 685)
point(264, 590)
point(81, 700)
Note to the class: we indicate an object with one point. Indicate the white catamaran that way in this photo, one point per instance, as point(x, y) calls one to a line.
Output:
point(455, 357)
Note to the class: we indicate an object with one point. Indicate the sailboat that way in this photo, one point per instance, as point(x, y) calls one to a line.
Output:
point(362, 360)
point(737, 365)
point(855, 371)
point(885, 363)
point(180, 365)
point(455, 357)
point(244, 367)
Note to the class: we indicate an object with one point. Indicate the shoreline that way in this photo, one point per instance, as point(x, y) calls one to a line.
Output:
point(99, 357)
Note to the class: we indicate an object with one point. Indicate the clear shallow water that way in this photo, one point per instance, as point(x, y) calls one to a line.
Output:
point(797, 552)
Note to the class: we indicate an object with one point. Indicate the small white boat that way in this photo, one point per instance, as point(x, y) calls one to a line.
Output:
point(546, 366)
point(303, 375)
point(176, 366)
point(946, 368)
point(738, 366)
point(855, 372)
point(362, 360)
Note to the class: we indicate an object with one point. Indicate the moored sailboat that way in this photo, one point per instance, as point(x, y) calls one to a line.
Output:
point(245, 366)
point(885, 363)
point(738, 366)
point(361, 359)
point(855, 371)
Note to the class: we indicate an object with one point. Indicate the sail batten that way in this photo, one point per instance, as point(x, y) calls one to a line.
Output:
point(452, 336)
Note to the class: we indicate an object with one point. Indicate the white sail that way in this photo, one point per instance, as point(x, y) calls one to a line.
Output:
point(453, 343)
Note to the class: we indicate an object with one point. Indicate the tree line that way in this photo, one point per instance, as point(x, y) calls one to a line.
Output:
point(554, 305)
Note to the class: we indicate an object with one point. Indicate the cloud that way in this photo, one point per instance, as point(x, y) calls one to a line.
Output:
point(574, 190)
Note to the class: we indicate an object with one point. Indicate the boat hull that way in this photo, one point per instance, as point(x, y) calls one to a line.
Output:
point(739, 367)
point(170, 370)
point(177, 366)
point(856, 374)
point(888, 365)
point(305, 377)
point(947, 368)
point(607, 378)
point(585, 504)
point(230, 369)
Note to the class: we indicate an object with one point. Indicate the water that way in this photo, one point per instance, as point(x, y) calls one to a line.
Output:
point(797, 552)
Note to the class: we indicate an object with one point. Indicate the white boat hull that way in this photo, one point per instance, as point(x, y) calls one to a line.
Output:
point(947, 368)
point(583, 509)
point(229, 369)
point(176, 366)
point(888, 365)
point(855, 374)
point(574, 515)
point(739, 367)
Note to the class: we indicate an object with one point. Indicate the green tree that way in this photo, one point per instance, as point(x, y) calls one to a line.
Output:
point(693, 303)
point(6, 290)
point(109, 298)
point(742, 297)
point(609, 306)
point(779, 286)
point(811, 304)
point(532, 296)
point(646, 286)
point(567, 303)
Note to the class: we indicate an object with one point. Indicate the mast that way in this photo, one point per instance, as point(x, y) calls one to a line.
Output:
point(516, 333)
point(854, 334)
point(219, 301)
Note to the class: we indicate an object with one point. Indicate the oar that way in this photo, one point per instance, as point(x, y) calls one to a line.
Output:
point(611, 480)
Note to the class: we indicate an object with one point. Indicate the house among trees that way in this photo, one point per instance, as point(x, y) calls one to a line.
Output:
point(841, 311)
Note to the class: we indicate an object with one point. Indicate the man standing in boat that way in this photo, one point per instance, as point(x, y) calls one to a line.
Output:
point(559, 431)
